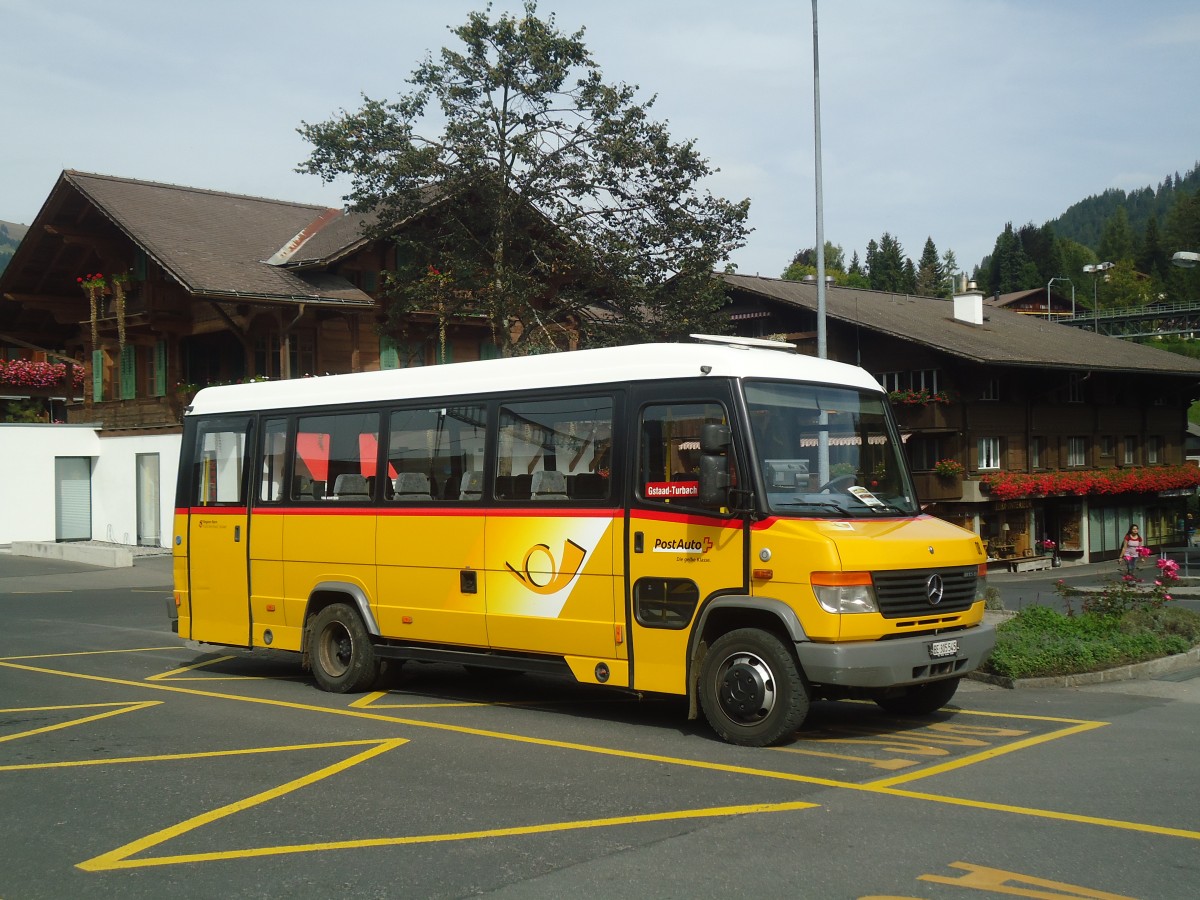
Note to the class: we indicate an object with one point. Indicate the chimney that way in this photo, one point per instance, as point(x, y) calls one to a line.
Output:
point(968, 306)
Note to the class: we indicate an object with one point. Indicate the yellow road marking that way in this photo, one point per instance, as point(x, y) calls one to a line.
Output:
point(121, 709)
point(200, 665)
point(174, 757)
point(987, 754)
point(86, 653)
point(367, 701)
point(118, 859)
point(983, 878)
point(871, 788)
point(873, 763)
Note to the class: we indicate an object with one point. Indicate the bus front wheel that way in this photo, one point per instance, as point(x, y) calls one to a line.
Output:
point(751, 688)
point(340, 652)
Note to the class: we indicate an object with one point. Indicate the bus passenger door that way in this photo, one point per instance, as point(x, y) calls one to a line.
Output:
point(679, 552)
point(218, 538)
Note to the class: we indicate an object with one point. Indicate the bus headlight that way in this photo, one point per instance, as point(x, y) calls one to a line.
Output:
point(845, 592)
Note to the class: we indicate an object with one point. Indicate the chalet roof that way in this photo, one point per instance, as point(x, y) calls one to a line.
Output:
point(1005, 337)
point(216, 243)
point(1014, 296)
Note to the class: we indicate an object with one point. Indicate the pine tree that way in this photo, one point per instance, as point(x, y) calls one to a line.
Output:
point(1116, 243)
point(929, 276)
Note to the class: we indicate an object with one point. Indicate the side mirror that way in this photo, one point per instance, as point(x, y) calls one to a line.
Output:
point(715, 438)
point(714, 479)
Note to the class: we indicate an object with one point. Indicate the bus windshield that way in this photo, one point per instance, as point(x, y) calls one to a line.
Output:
point(827, 452)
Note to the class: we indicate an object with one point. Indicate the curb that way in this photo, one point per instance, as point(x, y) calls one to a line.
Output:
point(1135, 672)
point(113, 557)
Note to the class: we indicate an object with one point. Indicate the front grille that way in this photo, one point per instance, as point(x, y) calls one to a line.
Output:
point(906, 593)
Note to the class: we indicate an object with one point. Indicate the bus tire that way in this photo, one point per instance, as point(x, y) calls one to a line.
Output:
point(751, 688)
point(340, 652)
point(920, 699)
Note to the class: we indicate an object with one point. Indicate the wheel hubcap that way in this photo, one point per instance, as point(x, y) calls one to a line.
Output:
point(747, 691)
point(336, 650)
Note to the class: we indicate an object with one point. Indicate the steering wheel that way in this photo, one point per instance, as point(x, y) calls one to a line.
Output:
point(837, 484)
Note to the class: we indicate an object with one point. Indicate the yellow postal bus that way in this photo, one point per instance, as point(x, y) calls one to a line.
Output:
point(726, 520)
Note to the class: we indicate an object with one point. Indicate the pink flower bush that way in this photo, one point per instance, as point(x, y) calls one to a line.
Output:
point(30, 374)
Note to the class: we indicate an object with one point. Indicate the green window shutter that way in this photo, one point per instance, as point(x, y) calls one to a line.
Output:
point(97, 376)
point(128, 372)
point(370, 282)
point(160, 369)
point(389, 354)
point(139, 265)
point(443, 355)
point(488, 350)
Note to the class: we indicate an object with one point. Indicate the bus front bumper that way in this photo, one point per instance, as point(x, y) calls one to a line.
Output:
point(910, 660)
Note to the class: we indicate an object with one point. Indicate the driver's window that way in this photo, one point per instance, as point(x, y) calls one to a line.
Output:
point(669, 451)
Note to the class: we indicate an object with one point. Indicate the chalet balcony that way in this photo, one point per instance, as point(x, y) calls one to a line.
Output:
point(926, 416)
point(142, 412)
point(931, 486)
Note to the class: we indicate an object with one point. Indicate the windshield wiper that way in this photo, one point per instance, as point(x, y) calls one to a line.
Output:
point(820, 504)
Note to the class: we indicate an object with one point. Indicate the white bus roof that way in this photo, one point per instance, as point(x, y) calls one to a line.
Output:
point(724, 358)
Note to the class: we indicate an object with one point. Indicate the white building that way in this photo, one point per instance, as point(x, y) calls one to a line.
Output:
point(75, 482)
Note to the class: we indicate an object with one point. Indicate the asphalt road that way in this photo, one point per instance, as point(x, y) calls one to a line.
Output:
point(132, 766)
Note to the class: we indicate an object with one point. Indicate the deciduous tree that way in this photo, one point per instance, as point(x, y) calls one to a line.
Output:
point(547, 192)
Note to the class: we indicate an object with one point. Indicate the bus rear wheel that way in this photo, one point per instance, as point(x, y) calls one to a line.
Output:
point(340, 652)
point(920, 699)
point(751, 688)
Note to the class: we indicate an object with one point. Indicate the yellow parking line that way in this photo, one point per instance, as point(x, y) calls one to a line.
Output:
point(986, 755)
point(200, 665)
point(876, 788)
point(119, 858)
point(123, 708)
point(174, 757)
point(86, 653)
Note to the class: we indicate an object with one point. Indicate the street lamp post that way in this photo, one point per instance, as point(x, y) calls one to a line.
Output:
point(1095, 271)
point(1050, 282)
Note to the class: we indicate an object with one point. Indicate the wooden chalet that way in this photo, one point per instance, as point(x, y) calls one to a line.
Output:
point(201, 287)
point(1028, 432)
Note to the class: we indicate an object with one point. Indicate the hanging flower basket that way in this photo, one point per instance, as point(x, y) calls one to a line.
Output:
point(1141, 480)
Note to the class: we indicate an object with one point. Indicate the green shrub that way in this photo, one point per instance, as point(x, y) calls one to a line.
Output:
point(1040, 641)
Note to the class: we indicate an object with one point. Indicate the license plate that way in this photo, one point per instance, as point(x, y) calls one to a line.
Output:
point(938, 649)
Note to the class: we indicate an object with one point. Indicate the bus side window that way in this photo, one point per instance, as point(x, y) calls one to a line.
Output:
point(430, 451)
point(336, 457)
point(555, 450)
point(219, 466)
point(273, 452)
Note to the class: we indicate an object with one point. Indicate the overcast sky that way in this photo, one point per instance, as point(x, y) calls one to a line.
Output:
point(939, 119)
